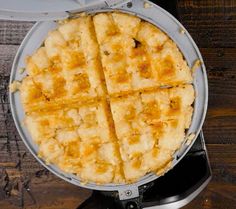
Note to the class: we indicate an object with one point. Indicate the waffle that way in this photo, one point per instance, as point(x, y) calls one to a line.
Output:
point(108, 98)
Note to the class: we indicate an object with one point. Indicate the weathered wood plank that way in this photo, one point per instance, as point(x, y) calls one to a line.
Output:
point(211, 23)
point(13, 32)
point(221, 70)
point(46, 193)
point(7, 54)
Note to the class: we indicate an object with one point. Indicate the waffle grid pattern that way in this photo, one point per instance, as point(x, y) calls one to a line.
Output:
point(107, 98)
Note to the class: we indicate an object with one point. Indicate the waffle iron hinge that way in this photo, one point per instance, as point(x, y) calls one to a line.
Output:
point(128, 193)
point(129, 197)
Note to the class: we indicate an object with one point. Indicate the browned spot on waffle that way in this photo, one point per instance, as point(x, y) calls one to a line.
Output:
point(144, 70)
point(167, 68)
point(101, 168)
point(134, 139)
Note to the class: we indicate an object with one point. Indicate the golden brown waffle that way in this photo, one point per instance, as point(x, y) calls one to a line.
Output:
point(108, 98)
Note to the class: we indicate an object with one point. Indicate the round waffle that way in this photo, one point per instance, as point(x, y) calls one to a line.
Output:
point(108, 97)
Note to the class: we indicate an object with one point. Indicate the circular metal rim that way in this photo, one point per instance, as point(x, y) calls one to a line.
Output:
point(109, 187)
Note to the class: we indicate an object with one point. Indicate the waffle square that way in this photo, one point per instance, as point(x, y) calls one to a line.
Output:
point(91, 122)
point(137, 55)
point(108, 97)
point(64, 70)
point(151, 121)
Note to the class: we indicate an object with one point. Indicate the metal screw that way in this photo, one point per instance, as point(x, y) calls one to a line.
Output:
point(129, 4)
point(128, 193)
point(131, 205)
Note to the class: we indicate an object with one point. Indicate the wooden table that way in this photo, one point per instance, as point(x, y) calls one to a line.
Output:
point(24, 183)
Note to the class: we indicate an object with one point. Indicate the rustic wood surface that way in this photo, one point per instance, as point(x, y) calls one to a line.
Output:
point(24, 183)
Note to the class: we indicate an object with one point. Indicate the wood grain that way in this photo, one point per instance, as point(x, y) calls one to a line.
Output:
point(24, 183)
point(221, 70)
point(210, 22)
point(13, 32)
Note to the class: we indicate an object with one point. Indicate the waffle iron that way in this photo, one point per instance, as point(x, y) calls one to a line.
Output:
point(190, 171)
